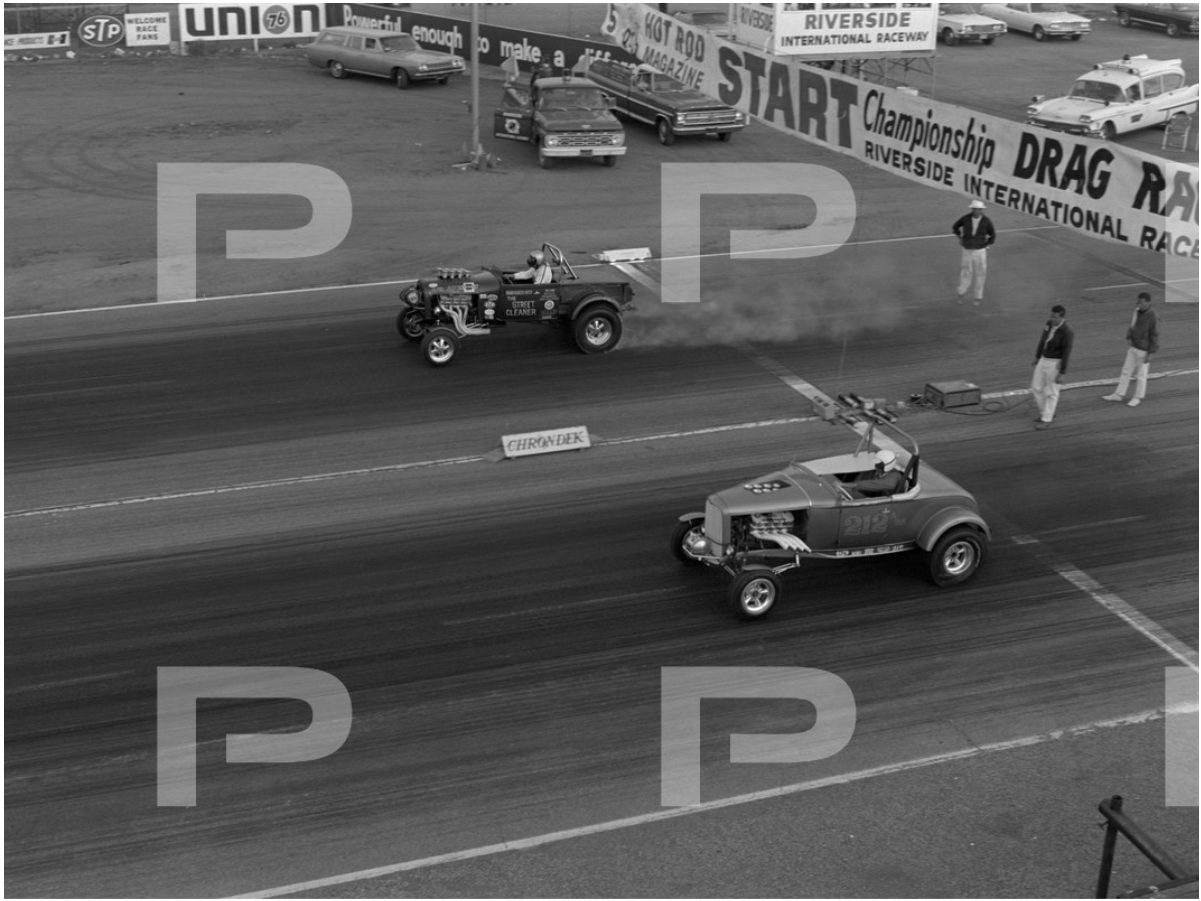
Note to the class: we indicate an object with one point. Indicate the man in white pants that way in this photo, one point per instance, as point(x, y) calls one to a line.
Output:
point(976, 234)
point(1051, 364)
point(1143, 338)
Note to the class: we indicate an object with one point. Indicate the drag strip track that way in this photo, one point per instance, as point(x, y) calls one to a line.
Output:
point(500, 626)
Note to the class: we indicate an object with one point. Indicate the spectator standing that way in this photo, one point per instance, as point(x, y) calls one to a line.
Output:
point(976, 234)
point(1143, 338)
point(1051, 364)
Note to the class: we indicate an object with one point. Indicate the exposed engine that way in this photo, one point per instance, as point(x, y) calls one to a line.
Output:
point(777, 529)
point(776, 521)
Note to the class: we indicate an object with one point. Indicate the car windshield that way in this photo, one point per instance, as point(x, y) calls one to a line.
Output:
point(398, 43)
point(956, 9)
point(1050, 8)
point(706, 18)
point(571, 98)
point(1086, 89)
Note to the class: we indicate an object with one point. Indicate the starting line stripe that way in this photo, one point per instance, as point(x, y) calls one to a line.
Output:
point(733, 801)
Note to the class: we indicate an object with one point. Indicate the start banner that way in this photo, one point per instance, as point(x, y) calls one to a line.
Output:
point(1094, 187)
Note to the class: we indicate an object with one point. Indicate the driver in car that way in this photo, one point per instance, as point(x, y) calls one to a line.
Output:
point(886, 480)
point(539, 271)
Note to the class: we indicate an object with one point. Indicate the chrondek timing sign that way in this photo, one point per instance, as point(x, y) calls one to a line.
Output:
point(548, 442)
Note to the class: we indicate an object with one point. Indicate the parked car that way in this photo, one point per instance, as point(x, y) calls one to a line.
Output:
point(563, 116)
point(960, 22)
point(1041, 20)
point(384, 54)
point(762, 528)
point(648, 95)
point(439, 311)
point(715, 22)
point(1119, 96)
point(1176, 18)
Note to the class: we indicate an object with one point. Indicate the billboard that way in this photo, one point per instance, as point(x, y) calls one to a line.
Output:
point(822, 31)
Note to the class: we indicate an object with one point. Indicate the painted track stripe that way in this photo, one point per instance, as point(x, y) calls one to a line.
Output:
point(733, 801)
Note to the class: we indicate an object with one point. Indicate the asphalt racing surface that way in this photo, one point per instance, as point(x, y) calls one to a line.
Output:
point(279, 480)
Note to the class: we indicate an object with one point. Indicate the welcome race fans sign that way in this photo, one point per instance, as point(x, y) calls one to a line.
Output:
point(1094, 187)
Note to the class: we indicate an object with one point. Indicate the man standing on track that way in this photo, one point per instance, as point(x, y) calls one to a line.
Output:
point(1051, 364)
point(976, 234)
point(1143, 338)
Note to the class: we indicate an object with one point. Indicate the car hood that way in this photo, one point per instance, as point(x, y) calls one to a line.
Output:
point(579, 120)
point(428, 57)
point(792, 488)
point(967, 19)
point(1069, 109)
point(688, 101)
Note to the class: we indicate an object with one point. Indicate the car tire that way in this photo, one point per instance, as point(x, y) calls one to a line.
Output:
point(1040, 33)
point(445, 79)
point(725, 136)
point(949, 37)
point(956, 556)
point(754, 592)
point(1124, 19)
point(1109, 131)
point(680, 535)
point(597, 330)
point(1173, 29)
point(667, 137)
point(411, 324)
point(440, 346)
point(402, 79)
point(610, 160)
point(336, 69)
point(544, 161)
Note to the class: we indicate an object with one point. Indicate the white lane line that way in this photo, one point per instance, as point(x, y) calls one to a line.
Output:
point(1120, 608)
point(153, 304)
point(374, 470)
point(736, 800)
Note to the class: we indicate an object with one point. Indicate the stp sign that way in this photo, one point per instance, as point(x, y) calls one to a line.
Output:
point(101, 31)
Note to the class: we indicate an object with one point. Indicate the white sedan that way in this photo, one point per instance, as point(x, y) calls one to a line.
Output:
point(1042, 20)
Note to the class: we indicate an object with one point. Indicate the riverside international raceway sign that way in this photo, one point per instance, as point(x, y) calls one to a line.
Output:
point(1093, 187)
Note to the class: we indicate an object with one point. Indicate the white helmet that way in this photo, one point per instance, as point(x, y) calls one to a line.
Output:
point(886, 458)
point(536, 258)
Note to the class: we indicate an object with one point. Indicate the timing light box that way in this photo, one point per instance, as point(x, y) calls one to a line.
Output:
point(952, 394)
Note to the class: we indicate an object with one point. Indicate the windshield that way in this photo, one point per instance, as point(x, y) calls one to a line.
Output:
point(956, 9)
point(398, 43)
point(571, 98)
point(1085, 89)
point(1050, 8)
point(706, 18)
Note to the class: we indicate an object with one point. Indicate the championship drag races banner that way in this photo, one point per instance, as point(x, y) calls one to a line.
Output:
point(1092, 186)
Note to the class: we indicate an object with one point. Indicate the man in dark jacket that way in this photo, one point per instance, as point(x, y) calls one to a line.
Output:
point(1143, 338)
point(976, 234)
point(1051, 364)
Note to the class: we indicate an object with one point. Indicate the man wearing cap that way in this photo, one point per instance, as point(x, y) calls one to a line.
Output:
point(885, 481)
point(976, 234)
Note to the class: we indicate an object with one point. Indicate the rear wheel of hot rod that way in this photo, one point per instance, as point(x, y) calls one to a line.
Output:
point(754, 592)
point(410, 324)
point(956, 556)
point(439, 346)
point(682, 536)
point(597, 331)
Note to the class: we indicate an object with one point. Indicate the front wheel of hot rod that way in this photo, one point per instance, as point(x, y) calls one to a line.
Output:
point(439, 346)
point(682, 536)
point(597, 331)
point(410, 324)
point(753, 593)
point(956, 556)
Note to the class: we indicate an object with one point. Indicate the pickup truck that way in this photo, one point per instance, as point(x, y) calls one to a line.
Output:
point(563, 116)
point(648, 95)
